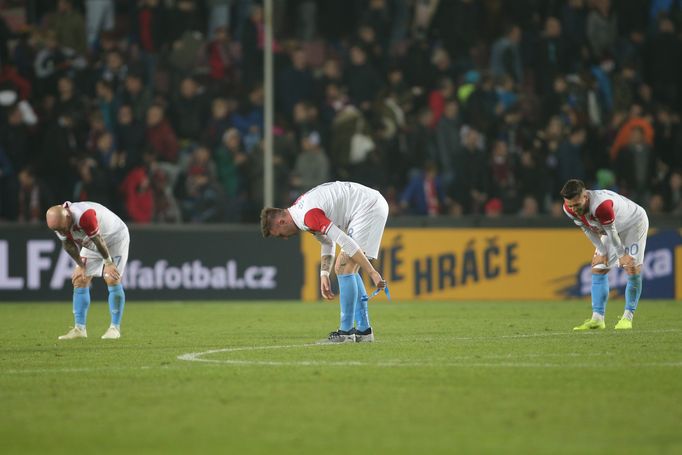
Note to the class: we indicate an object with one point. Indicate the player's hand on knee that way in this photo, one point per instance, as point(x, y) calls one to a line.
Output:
point(111, 273)
point(627, 262)
point(326, 288)
point(78, 278)
point(598, 259)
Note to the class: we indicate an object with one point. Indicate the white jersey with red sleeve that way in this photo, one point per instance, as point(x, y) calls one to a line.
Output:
point(335, 202)
point(342, 213)
point(90, 219)
point(610, 217)
point(605, 208)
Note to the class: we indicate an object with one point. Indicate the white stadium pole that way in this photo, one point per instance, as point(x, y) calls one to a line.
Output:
point(268, 180)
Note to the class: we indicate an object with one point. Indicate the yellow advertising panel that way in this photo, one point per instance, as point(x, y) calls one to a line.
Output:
point(444, 264)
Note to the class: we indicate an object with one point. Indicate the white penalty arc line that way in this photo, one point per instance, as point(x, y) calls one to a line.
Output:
point(505, 363)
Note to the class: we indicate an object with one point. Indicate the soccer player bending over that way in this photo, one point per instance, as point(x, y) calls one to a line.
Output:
point(352, 216)
point(618, 228)
point(98, 241)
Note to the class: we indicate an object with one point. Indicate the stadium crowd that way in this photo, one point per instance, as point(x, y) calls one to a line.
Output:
point(155, 107)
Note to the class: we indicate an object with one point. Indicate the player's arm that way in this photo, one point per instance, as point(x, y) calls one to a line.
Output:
point(317, 221)
point(353, 250)
point(72, 250)
point(607, 217)
point(102, 248)
point(596, 241)
point(593, 236)
point(327, 252)
point(90, 225)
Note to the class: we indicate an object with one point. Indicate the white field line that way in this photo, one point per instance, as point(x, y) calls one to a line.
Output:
point(479, 360)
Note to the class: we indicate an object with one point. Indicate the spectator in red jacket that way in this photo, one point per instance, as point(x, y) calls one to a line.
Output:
point(138, 196)
point(160, 135)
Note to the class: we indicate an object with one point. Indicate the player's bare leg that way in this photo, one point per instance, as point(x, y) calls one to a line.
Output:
point(345, 269)
point(116, 301)
point(363, 328)
point(633, 290)
point(600, 294)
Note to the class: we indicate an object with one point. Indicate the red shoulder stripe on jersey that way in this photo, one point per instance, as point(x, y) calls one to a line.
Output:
point(605, 213)
point(88, 222)
point(317, 221)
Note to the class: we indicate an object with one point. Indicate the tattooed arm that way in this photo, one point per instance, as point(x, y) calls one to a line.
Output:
point(326, 262)
point(102, 248)
point(72, 249)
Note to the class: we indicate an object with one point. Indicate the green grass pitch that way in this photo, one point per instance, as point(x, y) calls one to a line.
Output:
point(486, 377)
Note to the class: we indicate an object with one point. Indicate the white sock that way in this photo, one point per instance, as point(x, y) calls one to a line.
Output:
point(597, 317)
point(80, 326)
point(628, 315)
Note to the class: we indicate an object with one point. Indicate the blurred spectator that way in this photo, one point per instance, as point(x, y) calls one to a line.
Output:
point(448, 142)
point(189, 110)
point(218, 123)
point(54, 61)
point(624, 134)
point(424, 194)
point(160, 135)
point(493, 208)
point(100, 16)
point(115, 69)
point(16, 138)
point(92, 183)
point(505, 57)
point(601, 28)
point(551, 55)
point(672, 193)
point(570, 159)
point(138, 196)
point(472, 179)
point(33, 198)
point(635, 167)
point(663, 66)
point(312, 165)
point(295, 83)
point(200, 195)
point(362, 80)
point(136, 95)
point(503, 179)
point(220, 58)
point(231, 164)
point(106, 103)
point(62, 146)
point(68, 26)
point(129, 133)
point(529, 207)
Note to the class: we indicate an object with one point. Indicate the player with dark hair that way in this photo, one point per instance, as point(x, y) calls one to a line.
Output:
point(618, 229)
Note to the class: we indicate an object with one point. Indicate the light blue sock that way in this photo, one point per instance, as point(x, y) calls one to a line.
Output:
point(117, 300)
point(600, 293)
point(81, 303)
point(348, 295)
point(632, 292)
point(361, 312)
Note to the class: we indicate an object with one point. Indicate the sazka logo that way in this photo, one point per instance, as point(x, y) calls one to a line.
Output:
point(658, 271)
